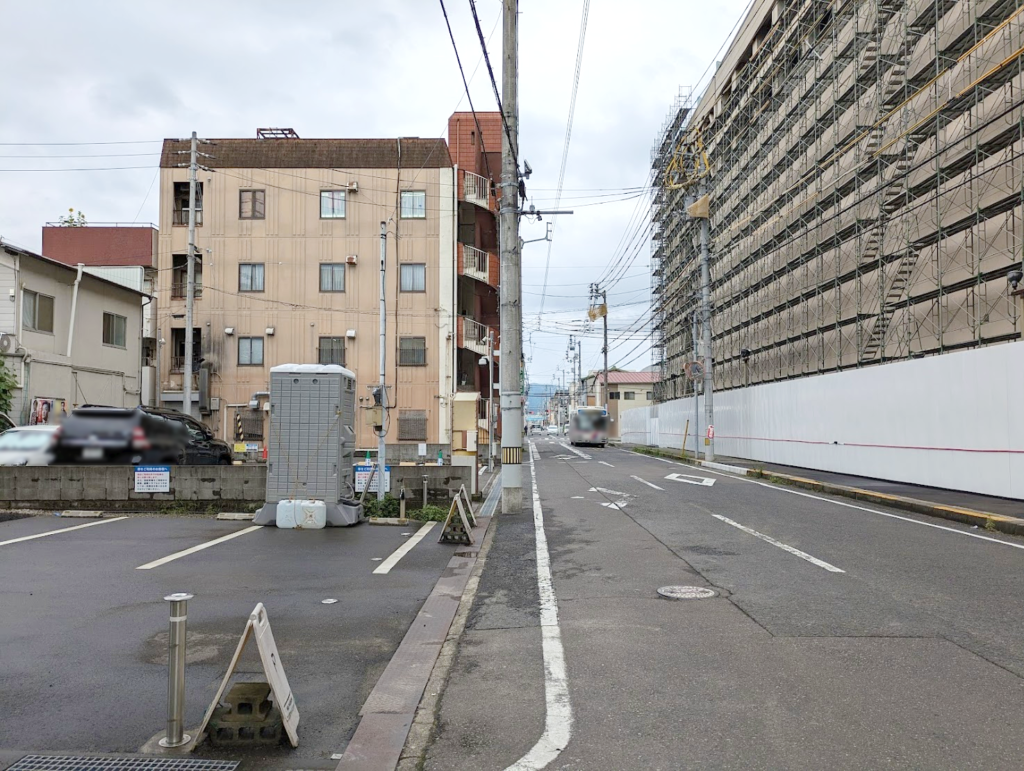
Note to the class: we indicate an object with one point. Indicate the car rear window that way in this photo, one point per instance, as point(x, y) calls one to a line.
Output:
point(99, 422)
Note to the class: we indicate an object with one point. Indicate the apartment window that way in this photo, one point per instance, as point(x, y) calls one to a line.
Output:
point(115, 329)
point(413, 278)
point(181, 203)
point(179, 276)
point(650, 396)
point(250, 277)
point(252, 204)
point(412, 351)
point(332, 277)
point(37, 311)
point(412, 425)
point(250, 352)
point(332, 204)
point(331, 351)
point(613, 395)
point(414, 204)
point(629, 395)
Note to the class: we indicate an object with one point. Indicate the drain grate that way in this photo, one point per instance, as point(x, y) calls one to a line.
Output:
point(70, 763)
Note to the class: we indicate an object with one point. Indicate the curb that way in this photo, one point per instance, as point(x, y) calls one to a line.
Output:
point(982, 519)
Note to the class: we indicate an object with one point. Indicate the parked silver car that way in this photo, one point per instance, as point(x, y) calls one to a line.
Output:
point(27, 446)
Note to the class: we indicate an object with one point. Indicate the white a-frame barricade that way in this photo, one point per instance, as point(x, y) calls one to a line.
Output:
point(259, 625)
point(456, 527)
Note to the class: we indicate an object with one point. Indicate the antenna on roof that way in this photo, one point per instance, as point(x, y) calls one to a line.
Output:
point(276, 133)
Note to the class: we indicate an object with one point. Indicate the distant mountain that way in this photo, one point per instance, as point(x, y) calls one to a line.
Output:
point(538, 395)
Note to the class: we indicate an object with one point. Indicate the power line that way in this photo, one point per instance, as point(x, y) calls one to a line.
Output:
point(78, 144)
point(93, 168)
point(102, 155)
point(497, 96)
point(568, 138)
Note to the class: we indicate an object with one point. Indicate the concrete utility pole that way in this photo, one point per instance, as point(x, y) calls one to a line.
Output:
point(511, 273)
point(696, 400)
point(604, 317)
point(190, 288)
point(579, 374)
point(490, 400)
point(381, 448)
point(700, 210)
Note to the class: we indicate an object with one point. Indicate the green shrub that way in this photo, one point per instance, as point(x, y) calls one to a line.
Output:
point(428, 513)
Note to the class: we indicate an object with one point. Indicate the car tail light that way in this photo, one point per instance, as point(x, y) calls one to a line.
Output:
point(139, 440)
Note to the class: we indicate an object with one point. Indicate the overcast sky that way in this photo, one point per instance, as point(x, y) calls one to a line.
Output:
point(129, 71)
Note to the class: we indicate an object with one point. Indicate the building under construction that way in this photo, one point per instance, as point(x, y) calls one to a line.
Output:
point(863, 162)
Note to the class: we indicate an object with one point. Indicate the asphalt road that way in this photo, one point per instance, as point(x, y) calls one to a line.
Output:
point(841, 635)
point(83, 632)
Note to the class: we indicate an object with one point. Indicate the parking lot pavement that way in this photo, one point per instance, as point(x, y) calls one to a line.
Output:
point(84, 630)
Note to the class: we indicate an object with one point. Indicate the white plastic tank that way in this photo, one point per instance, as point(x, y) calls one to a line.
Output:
point(302, 515)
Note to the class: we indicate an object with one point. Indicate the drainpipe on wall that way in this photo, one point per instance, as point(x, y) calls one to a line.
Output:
point(74, 304)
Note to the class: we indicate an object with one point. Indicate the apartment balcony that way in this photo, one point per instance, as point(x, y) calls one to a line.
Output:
point(476, 189)
point(473, 336)
point(478, 264)
point(179, 290)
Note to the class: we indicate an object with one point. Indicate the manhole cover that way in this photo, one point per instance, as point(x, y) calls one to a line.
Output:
point(686, 592)
point(70, 763)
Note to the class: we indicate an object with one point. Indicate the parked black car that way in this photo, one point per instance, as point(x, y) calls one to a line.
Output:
point(139, 436)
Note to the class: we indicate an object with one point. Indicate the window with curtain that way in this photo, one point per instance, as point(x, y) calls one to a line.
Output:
point(332, 204)
point(412, 351)
point(250, 352)
point(413, 278)
point(252, 204)
point(414, 204)
point(332, 277)
point(250, 277)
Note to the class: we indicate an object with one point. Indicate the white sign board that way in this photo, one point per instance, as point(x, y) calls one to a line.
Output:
point(152, 479)
point(259, 625)
point(423, 449)
point(363, 474)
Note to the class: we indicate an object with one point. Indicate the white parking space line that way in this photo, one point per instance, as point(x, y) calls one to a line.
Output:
point(62, 530)
point(785, 547)
point(606, 463)
point(649, 484)
point(401, 551)
point(194, 549)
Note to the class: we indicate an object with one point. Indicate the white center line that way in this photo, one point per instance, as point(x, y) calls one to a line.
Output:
point(558, 717)
point(570, 448)
point(194, 549)
point(786, 547)
point(62, 530)
point(401, 551)
point(606, 463)
point(649, 484)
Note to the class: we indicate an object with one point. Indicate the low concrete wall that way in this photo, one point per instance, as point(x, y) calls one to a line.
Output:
point(111, 488)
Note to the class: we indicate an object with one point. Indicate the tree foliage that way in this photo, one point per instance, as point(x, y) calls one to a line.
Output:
point(73, 219)
point(7, 386)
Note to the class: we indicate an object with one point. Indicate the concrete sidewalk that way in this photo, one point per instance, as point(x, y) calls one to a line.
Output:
point(991, 512)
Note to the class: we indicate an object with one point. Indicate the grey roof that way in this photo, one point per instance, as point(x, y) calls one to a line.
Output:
point(312, 153)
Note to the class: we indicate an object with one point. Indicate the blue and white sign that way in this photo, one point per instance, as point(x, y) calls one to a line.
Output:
point(152, 479)
point(363, 474)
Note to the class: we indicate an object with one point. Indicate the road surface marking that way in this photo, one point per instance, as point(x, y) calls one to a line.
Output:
point(578, 496)
point(401, 551)
point(649, 484)
point(606, 491)
point(786, 547)
point(570, 448)
point(558, 716)
point(891, 516)
point(62, 530)
point(194, 549)
point(606, 463)
point(692, 480)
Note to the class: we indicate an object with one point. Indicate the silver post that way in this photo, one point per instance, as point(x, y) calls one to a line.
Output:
point(490, 401)
point(381, 445)
point(425, 490)
point(176, 735)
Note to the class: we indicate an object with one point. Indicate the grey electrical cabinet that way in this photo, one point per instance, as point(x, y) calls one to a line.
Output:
point(311, 442)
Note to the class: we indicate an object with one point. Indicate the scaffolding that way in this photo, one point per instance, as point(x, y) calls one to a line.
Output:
point(866, 178)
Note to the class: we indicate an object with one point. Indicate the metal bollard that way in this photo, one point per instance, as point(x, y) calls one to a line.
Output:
point(401, 505)
point(176, 735)
point(424, 491)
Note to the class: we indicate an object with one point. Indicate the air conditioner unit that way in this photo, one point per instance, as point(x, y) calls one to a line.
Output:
point(351, 334)
point(353, 187)
point(352, 259)
point(8, 343)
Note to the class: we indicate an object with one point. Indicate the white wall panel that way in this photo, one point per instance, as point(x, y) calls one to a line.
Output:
point(954, 421)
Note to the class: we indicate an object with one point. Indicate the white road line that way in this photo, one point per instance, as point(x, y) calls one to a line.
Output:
point(692, 480)
point(891, 516)
point(649, 484)
point(62, 530)
point(401, 551)
point(570, 448)
point(606, 463)
point(558, 717)
point(786, 547)
point(194, 549)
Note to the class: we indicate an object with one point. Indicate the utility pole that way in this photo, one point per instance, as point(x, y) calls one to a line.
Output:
point(579, 373)
point(696, 401)
point(490, 400)
point(511, 273)
point(381, 447)
point(604, 317)
point(700, 210)
point(190, 287)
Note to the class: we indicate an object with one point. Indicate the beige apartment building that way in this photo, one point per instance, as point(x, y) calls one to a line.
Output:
point(288, 243)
